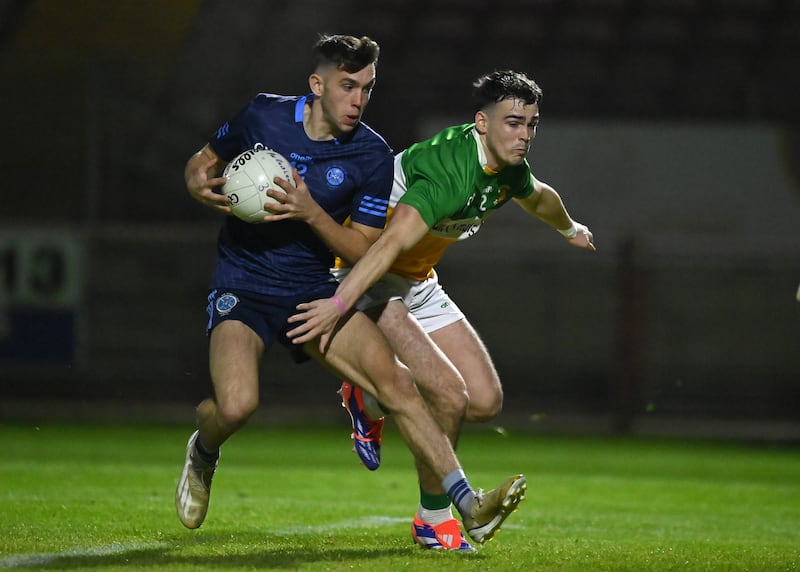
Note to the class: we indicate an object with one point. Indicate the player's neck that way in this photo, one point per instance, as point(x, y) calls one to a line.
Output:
point(314, 123)
point(489, 164)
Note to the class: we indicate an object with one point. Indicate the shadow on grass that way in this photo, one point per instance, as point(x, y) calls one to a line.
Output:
point(226, 551)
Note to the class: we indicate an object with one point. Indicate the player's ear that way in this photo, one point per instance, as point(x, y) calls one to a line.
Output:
point(315, 82)
point(481, 121)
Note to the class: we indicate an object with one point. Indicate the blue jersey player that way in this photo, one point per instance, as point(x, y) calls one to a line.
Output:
point(342, 170)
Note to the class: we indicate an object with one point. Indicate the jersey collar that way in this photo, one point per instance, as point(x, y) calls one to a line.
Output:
point(299, 112)
point(482, 154)
point(299, 107)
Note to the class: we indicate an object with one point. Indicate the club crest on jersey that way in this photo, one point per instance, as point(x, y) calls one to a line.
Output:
point(334, 176)
point(226, 303)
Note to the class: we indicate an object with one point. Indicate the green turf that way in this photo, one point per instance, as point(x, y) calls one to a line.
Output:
point(101, 498)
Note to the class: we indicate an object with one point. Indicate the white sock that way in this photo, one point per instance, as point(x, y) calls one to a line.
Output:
point(434, 516)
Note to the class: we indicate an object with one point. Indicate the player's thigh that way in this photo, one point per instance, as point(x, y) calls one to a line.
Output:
point(235, 353)
point(432, 371)
point(462, 345)
point(359, 352)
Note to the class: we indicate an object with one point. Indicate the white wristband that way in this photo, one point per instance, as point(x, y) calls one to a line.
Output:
point(570, 232)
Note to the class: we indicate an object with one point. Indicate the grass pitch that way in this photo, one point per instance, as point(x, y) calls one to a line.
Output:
point(101, 498)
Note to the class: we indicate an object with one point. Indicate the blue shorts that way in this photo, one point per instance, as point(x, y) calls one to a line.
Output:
point(266, 315)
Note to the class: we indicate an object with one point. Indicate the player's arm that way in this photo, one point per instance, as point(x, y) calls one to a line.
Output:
point(295, 202)
point(201, 177)
point(348, 242)
point(545, 204)
point(318, 317)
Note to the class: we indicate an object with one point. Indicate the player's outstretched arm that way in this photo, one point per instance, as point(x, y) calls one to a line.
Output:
point(546, 205)
point(200, 176)
point(318, 318)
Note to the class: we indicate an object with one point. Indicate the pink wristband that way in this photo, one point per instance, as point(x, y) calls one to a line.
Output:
point(339, 304)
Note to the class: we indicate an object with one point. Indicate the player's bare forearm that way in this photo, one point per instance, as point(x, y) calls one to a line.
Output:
point(546, 205)
point(318, 318)
point(405, 229)
point(348, 242)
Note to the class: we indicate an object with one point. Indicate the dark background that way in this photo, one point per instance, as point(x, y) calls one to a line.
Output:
point(685, 321)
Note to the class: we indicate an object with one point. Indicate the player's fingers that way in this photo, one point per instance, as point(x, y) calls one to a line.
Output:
point(299, 317)
point(279, 196)
point(300, 335)
point(283, 184)
point(298, 180)
point(324, 342)
point(277, 216)
point(215, 200)
point(297, 331)
point(589, 239)
point(216, 181)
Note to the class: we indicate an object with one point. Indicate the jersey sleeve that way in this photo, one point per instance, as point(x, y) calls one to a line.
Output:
point(428, 199)
point(526, 187)
point(371, 201)
point(434, 191)
point(231, 137)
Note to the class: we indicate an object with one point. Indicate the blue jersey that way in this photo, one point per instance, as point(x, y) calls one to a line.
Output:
point(348, 178)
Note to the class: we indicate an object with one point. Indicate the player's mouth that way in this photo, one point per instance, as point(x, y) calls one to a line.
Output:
point(351, 120)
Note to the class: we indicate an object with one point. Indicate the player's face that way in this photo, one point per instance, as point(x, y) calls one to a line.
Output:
point(344, 96)
point(508, 130)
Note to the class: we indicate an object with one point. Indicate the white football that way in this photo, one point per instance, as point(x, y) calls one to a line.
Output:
point(249, 176)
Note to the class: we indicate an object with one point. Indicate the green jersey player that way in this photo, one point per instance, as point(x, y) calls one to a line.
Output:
point(445, 187)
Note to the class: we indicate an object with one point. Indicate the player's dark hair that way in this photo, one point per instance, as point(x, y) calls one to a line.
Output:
point(499, 85)
point(347, 53)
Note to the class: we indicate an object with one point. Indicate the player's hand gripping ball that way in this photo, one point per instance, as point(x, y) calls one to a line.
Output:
point(249, 176)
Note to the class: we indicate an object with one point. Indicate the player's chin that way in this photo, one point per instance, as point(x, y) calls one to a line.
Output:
point(517, 158)
point(348, 123)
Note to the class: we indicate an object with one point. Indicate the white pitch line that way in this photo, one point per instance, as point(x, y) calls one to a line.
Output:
point(39, 559)
point(363, 522)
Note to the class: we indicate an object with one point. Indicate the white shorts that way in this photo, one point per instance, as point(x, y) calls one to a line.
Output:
point(426, 300)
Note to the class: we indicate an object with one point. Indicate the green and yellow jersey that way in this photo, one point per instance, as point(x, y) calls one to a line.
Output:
point(446, 179)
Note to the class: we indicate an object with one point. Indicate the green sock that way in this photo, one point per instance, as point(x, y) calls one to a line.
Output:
point(433, 501)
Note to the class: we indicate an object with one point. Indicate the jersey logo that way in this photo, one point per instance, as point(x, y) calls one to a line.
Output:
point(223, 131)
point(334, 176)
point(457, 229)
point(226, 303)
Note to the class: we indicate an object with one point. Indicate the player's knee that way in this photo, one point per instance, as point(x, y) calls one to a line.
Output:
point(233, 414)
point(448, 399)
point(485, 407)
